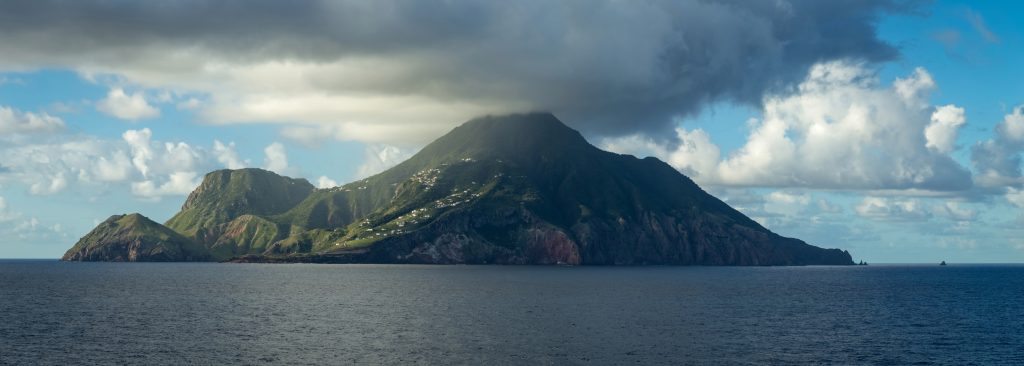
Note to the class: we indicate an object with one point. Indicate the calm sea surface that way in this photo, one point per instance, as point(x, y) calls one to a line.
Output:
point(190, 313)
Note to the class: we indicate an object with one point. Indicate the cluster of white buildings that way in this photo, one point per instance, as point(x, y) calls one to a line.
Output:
point(427, 177)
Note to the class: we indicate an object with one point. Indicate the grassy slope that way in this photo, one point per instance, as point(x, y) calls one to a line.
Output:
point(227, 194)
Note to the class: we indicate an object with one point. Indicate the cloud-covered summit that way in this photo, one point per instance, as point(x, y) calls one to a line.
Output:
point(389, 71)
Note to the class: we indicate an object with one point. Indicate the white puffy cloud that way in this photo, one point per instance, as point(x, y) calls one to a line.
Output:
point(276, 159)
point(789, 198)
point(843, 130)
point(810, 216)
point(169, 168)
point(325, 182)
point(693, 153)
point(52, 185)
point(1013, 125)
point(942, 131)
point(114, 168)
point(881, 208)
point(953, 211)
point(127, 106)
point(379, 157)
point(913, 209)
point(15, 121)
point(997, 161)
point(787, 203)
point(178, 157)
point(227, 155)
point(177, 184)
point(89, 165)
point(142, 150)
point(913, 90)
point(840, 129)
point(168, 157)
point(1015, 196)
point(47, 168)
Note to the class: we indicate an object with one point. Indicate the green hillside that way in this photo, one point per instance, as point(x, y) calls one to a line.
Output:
point(135, 238)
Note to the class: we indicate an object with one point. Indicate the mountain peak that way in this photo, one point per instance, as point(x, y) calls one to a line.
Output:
point(227, 194)
point(534, 121)
point(535, 127)
point(514, 137)
point(134, 238)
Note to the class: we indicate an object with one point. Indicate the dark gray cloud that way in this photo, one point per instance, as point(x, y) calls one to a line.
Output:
point(608, 67)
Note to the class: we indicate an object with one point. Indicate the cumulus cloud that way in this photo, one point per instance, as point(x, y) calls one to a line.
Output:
point(942, 131)
point(953, 211)
point(150, 168)
point(325, 182)
point(15, 121)
point(178, 184)
point(787, 203)
point(142, 150)
point(167, 168)
point(693, 153)
point(228, 156)
point(799, 213)
point(114, 168)
point(913, 209)
point(378, 157)
point(880, 208)
point(126, 106)
point(366, 68)
point(841, 129)
point(49, 186)
point(997, 161)
point(276, 159)
point(1015, 196)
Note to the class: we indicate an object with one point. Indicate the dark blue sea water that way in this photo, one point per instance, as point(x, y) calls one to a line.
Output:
point(189, 313)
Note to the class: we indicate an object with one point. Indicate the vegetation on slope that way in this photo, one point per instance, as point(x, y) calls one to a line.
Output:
point(134, 238)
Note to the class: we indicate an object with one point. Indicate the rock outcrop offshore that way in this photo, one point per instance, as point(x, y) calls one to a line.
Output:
point(518, 189)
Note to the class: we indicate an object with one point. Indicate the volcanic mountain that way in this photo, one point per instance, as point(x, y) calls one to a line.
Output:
point(517, 189)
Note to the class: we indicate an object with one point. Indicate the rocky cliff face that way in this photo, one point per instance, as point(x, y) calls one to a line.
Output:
point(521, 189)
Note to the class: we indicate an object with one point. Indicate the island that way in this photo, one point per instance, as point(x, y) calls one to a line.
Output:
point(513, 189)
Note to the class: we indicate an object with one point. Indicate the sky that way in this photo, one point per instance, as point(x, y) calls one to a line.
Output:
point(892, 129)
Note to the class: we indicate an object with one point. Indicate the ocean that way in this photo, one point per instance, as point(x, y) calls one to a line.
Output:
point(252, 314)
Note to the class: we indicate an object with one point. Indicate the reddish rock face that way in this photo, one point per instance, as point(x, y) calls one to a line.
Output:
point(551, 246)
